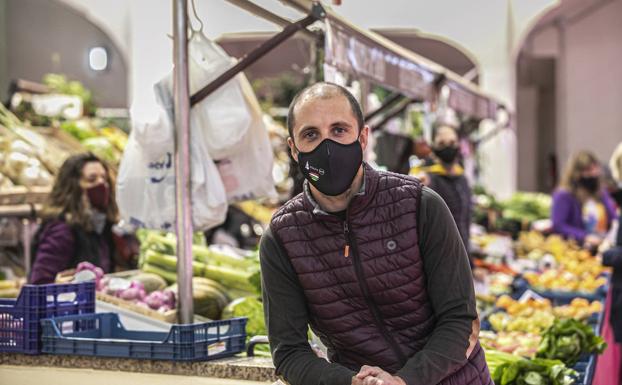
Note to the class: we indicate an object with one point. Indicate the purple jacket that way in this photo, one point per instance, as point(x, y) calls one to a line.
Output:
point(567, 214)
point(57, 251)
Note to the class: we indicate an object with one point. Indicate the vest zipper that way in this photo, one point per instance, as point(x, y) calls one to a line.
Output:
point(358, 268)
point(346, 233)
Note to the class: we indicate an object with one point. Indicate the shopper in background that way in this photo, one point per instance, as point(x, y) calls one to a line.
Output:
point(615, 166)
point(613, 257)
point(77, 222)
point(365, 258)
point(445, 176)
point(608, 370)
point(582, 209)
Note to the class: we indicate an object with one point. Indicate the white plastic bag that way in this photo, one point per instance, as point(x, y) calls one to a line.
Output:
point(247, 174)
point(146, 181)
point(223, 116)
point(153, 134)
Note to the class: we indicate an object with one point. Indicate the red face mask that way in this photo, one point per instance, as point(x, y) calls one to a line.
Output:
point(99, 196)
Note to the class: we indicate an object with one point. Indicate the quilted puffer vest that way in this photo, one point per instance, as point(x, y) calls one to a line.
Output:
point(363, 278)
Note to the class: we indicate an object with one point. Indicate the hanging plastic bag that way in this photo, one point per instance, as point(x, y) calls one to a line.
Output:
point(223, 116)
point(146, 181)
point(146, 189)
point(247, 174)
point(153, 129)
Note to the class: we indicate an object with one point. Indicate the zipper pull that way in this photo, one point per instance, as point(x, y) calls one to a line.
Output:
point(346, 232)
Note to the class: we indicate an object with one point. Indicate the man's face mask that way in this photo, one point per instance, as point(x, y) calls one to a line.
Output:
point(331, 166)
point(446, 154)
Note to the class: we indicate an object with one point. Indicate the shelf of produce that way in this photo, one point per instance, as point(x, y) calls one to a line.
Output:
point(236, 370)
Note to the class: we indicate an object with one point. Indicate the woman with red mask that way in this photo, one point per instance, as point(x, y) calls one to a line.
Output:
point(77, 221)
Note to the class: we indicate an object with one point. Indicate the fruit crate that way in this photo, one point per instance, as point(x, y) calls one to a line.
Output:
point(20, 318)
point(520, 285)
point(103, 335)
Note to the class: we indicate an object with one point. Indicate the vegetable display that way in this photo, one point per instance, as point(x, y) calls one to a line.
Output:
point(131, 290)
point(238, 273)
point(512, 370)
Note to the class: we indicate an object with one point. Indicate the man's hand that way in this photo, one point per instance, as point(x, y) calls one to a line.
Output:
point(372, 375)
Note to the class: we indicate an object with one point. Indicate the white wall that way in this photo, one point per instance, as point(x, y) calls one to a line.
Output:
point(490, 30)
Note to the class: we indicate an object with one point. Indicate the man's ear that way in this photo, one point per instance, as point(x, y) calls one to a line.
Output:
point(364, 137)
point(292, 148)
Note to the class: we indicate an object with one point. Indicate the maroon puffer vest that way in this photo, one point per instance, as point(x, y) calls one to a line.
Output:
point(364, 279)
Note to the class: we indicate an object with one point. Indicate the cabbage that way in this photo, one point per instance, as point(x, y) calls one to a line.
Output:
point(251, 308)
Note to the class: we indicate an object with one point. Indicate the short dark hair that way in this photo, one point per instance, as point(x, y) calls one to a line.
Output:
point(354, 104)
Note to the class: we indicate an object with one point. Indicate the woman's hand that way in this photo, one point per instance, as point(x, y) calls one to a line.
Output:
point(593, 240)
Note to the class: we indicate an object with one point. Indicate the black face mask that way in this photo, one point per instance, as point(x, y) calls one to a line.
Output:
point(591, 184)
point(446, 154)
point(331, 166)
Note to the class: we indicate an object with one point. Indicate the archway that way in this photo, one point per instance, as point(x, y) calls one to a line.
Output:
point(565, 98)
point(51, 36)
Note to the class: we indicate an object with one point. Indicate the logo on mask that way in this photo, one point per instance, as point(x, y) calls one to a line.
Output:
point(314, 172)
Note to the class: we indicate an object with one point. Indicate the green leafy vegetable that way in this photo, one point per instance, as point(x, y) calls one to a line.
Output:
point(252, 308)
point(519, 371)
point(59, 83)
point(567, 340)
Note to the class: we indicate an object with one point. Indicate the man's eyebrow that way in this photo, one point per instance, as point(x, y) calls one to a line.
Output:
point(341, 124)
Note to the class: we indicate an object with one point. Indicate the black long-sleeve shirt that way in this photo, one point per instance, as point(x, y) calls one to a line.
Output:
point(450, 290)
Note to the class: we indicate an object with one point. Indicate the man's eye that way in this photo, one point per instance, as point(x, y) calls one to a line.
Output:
point(309, 135)
point(339, 130)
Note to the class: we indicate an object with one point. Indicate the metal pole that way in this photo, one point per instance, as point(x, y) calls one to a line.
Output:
point(183, 213)
point(255, 9)
point(26, 237)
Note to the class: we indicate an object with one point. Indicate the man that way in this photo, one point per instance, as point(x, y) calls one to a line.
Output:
point(372, 261)
point(445, 176)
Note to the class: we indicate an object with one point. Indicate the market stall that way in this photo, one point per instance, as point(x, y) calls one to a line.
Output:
point(541, 304)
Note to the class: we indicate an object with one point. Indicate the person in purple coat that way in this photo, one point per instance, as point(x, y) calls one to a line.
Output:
point(77, 221)
point(582, 210)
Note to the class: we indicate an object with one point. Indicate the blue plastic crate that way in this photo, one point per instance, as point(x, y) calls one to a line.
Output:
point(586, 368)
point(20, 318)
point(103, 335)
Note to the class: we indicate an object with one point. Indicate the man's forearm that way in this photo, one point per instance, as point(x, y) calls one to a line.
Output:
point(303, 367)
